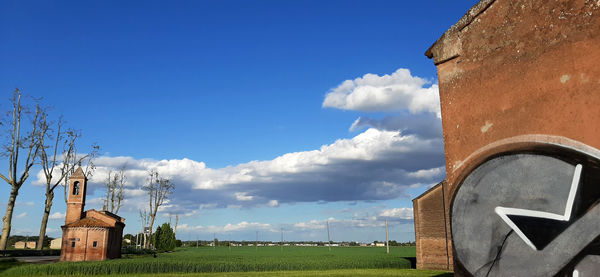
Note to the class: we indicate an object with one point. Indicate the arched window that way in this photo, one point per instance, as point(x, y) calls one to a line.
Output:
point(76, 188)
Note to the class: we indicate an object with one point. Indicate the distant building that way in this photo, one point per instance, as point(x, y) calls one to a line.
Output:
point(91, 235)
point(20, 245)
point(25, 245)
point(30, 244)
point(56, 243)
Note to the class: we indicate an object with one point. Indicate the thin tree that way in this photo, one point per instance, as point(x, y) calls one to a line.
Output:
point(158, 189)
point(176, 222)
point(114, 190)
point(144, 219)
point(57, 161)
point(12, 149)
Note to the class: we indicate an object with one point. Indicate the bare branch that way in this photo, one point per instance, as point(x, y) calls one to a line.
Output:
point(158, 189)
point(31, 144)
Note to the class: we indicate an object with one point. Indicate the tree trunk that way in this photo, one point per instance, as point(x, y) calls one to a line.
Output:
point(47, 207)
point(150, 233)
point(8, 217)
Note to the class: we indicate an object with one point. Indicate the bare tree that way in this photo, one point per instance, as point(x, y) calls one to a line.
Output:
point(12, 149)
point(114, 190)
point(57, 161)
point(158, 189)
point(145, 219)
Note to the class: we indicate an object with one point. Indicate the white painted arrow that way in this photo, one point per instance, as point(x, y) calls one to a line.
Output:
point(504, 212)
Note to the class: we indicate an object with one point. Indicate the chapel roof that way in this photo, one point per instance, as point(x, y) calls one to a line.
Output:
point(89, 222)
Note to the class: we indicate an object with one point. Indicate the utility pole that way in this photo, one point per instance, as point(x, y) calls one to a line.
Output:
point(256, 244)
point(281, 239)
point(328, 237)
point(387, 237)
point(215, 241)
point(196, 241)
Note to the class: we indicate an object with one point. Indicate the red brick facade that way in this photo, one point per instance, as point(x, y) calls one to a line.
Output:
point(431, 228)
point(513, 75)
point(91, 235)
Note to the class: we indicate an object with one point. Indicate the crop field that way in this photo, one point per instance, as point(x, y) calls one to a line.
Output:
point(236, 259)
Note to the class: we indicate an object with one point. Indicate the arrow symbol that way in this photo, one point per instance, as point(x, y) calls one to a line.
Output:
point(524, 222)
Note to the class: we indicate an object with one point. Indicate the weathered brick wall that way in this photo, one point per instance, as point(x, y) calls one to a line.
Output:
point(520, 68)
point(84, 249)
point(430, 229)
point(513, 71)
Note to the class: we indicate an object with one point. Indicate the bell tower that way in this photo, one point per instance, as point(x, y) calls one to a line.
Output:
point(76, 202)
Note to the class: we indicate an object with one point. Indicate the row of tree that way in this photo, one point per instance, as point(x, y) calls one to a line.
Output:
point(33, 137)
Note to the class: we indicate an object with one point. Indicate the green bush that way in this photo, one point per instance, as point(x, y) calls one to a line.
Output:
point(164, 238)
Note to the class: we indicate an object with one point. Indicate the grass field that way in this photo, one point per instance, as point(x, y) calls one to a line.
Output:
point(306, 273)
point(243, 261)
point(6, 263)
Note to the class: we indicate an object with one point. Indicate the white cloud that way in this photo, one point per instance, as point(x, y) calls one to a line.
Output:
point(241, 196)
point(373, 165)
point(57, 215)
point(311, 225)
point(425, 125)
point(397, 213)
point(427, 173)
point(21, 215)
point(366, 220)
point(396, 92)
point(245, 226)
point(238, 227)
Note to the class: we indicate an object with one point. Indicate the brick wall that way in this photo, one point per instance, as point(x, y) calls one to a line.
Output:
point(512, 73)
point(431, 229)
point(90, 244)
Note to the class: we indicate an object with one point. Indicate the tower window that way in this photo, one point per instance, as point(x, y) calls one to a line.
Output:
point(76, 188)
point(72, 244)
point(95, 244)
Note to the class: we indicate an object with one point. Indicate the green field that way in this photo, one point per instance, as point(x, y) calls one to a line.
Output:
point(293, 261)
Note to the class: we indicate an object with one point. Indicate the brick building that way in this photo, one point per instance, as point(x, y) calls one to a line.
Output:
point(89, 235)
point(519, 81)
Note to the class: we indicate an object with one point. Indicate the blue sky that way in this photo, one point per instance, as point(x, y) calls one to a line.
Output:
point(266, 114)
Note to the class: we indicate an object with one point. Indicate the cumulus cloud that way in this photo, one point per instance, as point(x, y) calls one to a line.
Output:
point(372, 219)
point(366, 220)
point(57, 215)
point(241, 196)
point(397, 213)
point(238, 227)
point(392, 154)
point(311, 225)
point(399, 91)
point(426, 125)
point(373, 165)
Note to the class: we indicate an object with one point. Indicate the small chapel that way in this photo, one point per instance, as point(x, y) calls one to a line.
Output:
point(89, 235)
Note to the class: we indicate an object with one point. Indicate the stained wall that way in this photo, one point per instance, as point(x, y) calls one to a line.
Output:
point(511, 73)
